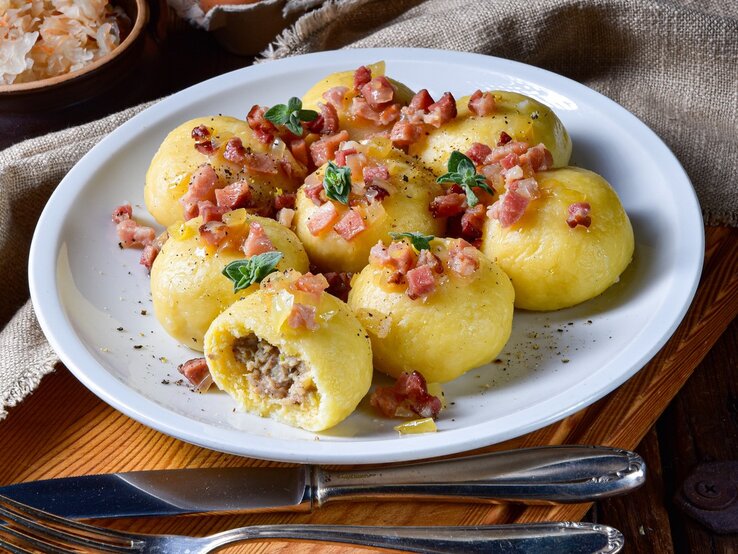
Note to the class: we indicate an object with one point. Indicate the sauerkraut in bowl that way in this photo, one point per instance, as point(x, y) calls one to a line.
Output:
point(40, 39)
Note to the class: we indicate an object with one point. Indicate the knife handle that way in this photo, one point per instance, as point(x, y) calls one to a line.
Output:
point(545, 475)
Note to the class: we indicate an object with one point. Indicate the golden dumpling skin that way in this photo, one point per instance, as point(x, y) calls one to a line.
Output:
point(171, 169)
point(461, 325)
point(358, 128)
point(520, 116)
point(188, 288)
point(405, 209)
point(337, 358)
point(551, 265)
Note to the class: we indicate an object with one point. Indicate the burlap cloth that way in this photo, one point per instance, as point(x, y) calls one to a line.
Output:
point(672, 63)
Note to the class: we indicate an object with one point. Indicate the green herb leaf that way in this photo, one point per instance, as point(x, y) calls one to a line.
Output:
point(337, 183)
point(418, 240)
point(461, 171)
point(290, 115)
point(245, 273)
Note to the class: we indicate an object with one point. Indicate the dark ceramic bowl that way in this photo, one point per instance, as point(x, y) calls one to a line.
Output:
point(78, 86)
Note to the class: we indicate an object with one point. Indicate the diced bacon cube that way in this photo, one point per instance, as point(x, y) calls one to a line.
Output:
point(342, 154)
point(426, 257)
point(377, 172)
point(450, 204)
point(463, 259)
point(335, 96)
point(323, 218)
point(200, 133)
point(509, 208)
point(122, 212)
point(234, 150)
point(478, 152)
point(504, 139)
point(131, 234)
point(510, 161)
point(404, 133)
point(421, 101)
point(500, 152)
point(327, 122)
point(197, 373)
point(284, 200)
point(311, 284)
point(285, 216)
point(472, 222)
point(148, 255)
point(361, 77)
point(389, 114)
point(442, 111)
point(578, 214)
point(209, 211)
point(302, 316)
point(420, 282)
point(407, 397)
point(299, 150)
point(539, 157)
point(201, 187)
point(324, 149)
point(234, 196)
point(262, 127)
point(256, 162)
point(350, 225)
point(482, 103)
point(257, 242)
point(213, 233)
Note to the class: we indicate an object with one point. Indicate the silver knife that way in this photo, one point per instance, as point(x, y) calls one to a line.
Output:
point(542, 475)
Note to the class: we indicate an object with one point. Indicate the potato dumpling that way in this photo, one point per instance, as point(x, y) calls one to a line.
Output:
point(552, 265)
point(187, 285)
point(309, 372)
point(173, 165)
point(463, 323)
point(357, 127)
point(411, 189)
point(521, 117)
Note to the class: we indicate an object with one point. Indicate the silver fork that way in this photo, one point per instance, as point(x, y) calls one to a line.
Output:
point(23, 527)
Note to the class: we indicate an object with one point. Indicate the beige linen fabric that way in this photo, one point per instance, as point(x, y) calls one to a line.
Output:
point(672, 63)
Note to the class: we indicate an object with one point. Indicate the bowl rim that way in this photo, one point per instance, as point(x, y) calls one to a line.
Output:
point(142, 15)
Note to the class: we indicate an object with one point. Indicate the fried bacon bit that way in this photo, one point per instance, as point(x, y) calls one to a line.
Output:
point(262, 127)
point(335, 96)
point(422, 100)
point(504, 139)
point(408, 396)
point(375, 193)
point(200, 133)
point(428, 258)
point(478, 152)
point(122, 212)
point(405, 133)
point(463, 258)
point(500, 152)
point(472, 222)
point(234, 196)
point(350, 225)
point(206, 147)
point(511, 205)
point(314, 190)
point(327, 122)
point(448, 205)
point(148, 255)
point(390, 114)
point(482, 104)
point(420, 282)
point(373, 173)
point(285, 216)
point(361, 77)
point(284, 200)
point(579, 215)
point(341, 155)
point(510, 161)
point(209, 211)
point(324, 149)
point(299, 150)
point(539, 157)
point(201, 187)
point(323, 218)
point(197, 373)
point(131, 234)
point(442, 111)
point(256, 162)
point(302, 316)
point(314, 285)
point(399, 256)
point(257, 242)
point(378, 93)
point(339, 284)
point(213, 233)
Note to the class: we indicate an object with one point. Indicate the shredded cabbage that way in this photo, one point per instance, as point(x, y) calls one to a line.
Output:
point(45, 38)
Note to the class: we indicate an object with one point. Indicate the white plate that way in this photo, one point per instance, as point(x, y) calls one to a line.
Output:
point(84, 288)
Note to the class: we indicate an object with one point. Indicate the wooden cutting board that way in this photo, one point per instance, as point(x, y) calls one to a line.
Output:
point(63, 429)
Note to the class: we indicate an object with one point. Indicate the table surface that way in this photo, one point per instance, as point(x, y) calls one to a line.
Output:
point(700, 424)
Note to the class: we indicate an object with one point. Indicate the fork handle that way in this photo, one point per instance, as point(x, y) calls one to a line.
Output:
point(570, 537)
point(530, 475)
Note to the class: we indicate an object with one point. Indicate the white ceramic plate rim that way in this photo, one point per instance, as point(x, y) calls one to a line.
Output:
point(73, 353)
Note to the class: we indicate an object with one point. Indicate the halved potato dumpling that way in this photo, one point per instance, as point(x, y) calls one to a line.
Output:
point(464, 323)
point(309, 378)
point(187, 286)
point(176, 160)
point(521, 117)
point(552, 265)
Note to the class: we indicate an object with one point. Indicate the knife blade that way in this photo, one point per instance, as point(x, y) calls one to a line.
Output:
point(533, 475)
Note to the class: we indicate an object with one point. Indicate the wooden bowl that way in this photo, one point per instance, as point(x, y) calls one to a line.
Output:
point(91, 80)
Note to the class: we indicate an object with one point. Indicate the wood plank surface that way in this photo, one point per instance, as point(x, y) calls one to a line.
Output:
point(63, 429)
